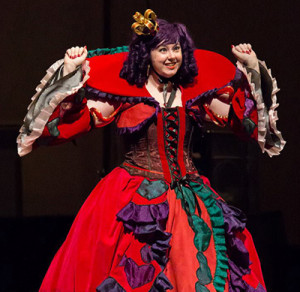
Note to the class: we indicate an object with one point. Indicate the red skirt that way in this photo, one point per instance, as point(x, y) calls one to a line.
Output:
point(136, 234)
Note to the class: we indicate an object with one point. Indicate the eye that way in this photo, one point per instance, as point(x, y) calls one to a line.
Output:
point(177, 48)
point(162, 50)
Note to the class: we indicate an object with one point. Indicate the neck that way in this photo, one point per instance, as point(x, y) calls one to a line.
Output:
point(155, 80)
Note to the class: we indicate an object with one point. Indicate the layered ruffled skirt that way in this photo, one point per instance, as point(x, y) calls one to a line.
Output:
point(136, 234)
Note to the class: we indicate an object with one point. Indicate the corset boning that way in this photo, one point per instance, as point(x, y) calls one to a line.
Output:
point(161, 150)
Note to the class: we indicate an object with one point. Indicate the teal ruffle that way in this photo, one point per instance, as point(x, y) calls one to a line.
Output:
point(217, 220)
point(106, 51)
point(203, 233)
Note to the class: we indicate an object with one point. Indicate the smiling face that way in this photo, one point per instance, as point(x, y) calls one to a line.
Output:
point(166, 59)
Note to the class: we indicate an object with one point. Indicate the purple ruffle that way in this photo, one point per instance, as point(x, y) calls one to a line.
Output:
point(137, 276)
point(110, 285)
point(147, 222)
point(161, 284)
point(95, 94)
point(238, 255)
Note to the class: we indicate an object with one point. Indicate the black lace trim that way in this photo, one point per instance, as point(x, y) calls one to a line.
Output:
point(171, 136)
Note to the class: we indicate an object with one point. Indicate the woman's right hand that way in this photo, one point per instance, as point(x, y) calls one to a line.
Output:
point(74, 57)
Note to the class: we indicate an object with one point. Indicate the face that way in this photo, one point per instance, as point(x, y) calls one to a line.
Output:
point(166, 59)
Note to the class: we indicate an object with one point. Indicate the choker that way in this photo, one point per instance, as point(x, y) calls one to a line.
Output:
point(165, 81)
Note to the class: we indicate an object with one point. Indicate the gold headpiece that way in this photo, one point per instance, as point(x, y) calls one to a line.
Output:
point(145, 25)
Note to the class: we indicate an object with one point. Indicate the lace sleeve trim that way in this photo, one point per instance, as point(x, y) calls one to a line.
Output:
point(270, 139)
point(34, 122)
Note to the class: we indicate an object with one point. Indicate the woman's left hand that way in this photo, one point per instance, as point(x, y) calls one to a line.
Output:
point(245, 54)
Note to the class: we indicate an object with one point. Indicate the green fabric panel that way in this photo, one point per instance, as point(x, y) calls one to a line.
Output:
point(152, 189)
point(187, 196)
point(200, 288)
point(203, 273)
point(217, 220)
point(202, 233)
point(106, 51)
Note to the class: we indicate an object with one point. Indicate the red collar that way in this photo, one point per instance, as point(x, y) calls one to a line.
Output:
point(214, 71)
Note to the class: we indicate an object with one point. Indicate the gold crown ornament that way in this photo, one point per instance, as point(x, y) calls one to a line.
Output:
point(145, 24)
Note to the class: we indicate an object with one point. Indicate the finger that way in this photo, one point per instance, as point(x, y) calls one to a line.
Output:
point(237, 52)
point(72, 52)
point(68, 52)
point(76, 52)
point(80, 51)
point(245, 48)
point(249, 47)
point(239, 48)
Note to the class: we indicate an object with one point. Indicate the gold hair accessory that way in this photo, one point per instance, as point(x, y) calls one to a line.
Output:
point(145, 25)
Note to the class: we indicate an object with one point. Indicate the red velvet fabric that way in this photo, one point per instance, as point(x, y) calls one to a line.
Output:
point(96, 242)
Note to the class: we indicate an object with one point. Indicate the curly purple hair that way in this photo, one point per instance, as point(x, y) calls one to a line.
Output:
point(135, 67)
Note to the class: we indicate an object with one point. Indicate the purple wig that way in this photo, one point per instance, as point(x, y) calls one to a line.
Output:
point(135, 67)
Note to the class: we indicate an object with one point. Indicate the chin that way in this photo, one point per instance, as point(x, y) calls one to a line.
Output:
point(169, 74)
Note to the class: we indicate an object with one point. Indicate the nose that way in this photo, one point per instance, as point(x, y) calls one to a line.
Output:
point(171, 55)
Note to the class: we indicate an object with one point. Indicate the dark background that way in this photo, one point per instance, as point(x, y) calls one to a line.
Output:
point(42, 192)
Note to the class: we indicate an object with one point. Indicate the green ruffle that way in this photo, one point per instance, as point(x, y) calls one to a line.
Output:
point(217, 221)
point(106, 51)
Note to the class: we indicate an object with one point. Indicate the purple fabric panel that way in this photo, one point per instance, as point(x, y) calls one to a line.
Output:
point(249, 105)
point(110, 285)
point(161, 284)
point(146, 254)
point(138, 276)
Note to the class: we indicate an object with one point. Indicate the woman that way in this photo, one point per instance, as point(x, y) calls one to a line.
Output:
point(153, 224)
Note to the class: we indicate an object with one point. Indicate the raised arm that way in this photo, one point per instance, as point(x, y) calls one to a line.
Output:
point(59, 111)
point(220, 105)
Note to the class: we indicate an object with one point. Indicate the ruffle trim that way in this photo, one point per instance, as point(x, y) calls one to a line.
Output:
point(110, 285)
point(161, 284)
point(25, 140)
point(93, 93)
point(107, 51)
point(238, 255)
point(147, 223)
point(269, 121)
point(217, 221)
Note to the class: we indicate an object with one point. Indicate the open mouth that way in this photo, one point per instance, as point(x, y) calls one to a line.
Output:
point(171, 65)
